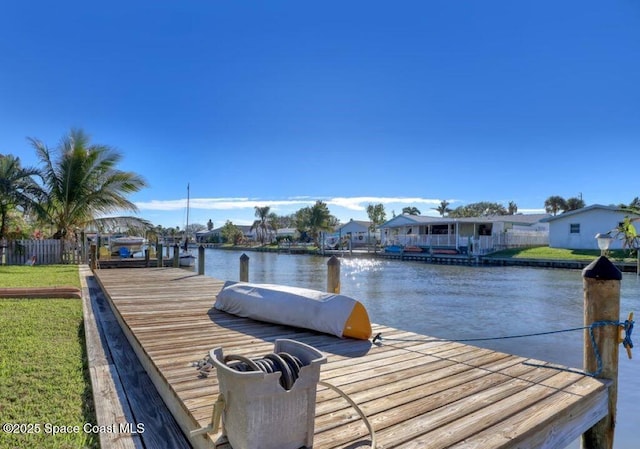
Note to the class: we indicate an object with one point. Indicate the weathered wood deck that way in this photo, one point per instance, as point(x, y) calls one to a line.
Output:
point(416, 393)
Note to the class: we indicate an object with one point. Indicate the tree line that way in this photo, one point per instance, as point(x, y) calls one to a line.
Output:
point(78, 181)
point(308, 221)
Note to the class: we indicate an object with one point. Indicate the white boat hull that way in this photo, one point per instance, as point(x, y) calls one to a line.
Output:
point(187, 260)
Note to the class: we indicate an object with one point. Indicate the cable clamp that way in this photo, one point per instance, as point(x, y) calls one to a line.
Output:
point(626, 329)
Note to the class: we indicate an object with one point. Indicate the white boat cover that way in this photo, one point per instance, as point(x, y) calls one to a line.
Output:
point(292, 306)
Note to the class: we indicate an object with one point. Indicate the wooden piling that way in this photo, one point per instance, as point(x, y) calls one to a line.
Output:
point(159, 255)
point(201, 260)
point(601, 281)
point(176, 256)
point(333, 275)
point(244, 268)
point(94, 256)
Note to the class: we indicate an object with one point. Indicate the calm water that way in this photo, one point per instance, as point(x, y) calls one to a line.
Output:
point(457, 302)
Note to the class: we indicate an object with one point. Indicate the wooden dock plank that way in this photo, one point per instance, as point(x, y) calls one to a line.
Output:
point(417, 391)
point(124, 394)
point(110, 406)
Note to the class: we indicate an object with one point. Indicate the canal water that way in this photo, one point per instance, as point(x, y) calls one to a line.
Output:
point(461, 302)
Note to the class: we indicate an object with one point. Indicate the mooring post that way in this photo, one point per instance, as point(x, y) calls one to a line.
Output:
point(601, 281)
point(176, 256)
point(146, 257)
point(333, 275)
point(159, 255)
point(244, 268)
point(201, 260)
point(94, 256)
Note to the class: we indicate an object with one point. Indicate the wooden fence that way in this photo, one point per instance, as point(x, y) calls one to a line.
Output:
point(41, 252)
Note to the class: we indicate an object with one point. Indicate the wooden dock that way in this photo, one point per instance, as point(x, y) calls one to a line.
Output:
point(416, 393)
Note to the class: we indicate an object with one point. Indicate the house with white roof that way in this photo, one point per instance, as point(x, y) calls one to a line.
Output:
point(577, 229)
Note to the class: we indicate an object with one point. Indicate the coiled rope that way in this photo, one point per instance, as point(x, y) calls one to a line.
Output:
point(626, 327)
point(287, 365)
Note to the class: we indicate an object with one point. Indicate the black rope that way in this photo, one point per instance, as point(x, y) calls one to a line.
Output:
point(626, 326)
point(284, 363)
point(379, 337)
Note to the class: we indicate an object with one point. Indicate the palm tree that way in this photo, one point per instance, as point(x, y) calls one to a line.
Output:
point(633, 206)
point(443, 208)
point(574, 203)
point(377, 216)
point(18, 189)
point(82, 183)
point(319, 219)
point(554, 204)
point(626, 232)
point(261, 225)
point(274, 223)
point(512, 208)
point(411, 210)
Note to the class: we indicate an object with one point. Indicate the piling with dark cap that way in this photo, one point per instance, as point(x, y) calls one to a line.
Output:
point(244, 268)
point(601, 281)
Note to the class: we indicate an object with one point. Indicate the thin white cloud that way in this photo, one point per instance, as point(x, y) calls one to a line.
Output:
point(531, 211)
point(352, 203)
point(360, 203)
point(220, 204)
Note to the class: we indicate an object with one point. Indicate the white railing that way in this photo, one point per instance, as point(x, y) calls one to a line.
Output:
point(479, 245)
point(520, 239)
point(422, 240)
point(41, 252)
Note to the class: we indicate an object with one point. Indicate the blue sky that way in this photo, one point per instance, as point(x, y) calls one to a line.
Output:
point(282, 103)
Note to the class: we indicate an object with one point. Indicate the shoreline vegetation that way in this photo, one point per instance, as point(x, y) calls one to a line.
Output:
point(44, 377)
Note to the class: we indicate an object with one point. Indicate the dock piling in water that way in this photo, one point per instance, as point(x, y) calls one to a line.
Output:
point(244, 268)
point(201, 260)
point(176, 256)
point(333, 275)
point(601, 280)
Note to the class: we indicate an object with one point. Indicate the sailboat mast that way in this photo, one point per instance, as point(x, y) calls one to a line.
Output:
point(186, 229)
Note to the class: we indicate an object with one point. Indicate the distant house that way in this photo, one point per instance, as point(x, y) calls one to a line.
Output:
point(358, 232)
point(206, 236)
point(216, 234)
point(577, 229)
point(484, 234)
point(287, 233)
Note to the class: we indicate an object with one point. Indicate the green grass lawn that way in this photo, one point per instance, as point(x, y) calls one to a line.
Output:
point(544, 252)
point(43, 370)
point(39, 276)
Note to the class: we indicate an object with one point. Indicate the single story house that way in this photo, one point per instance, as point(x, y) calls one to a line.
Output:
point(577, 229)
point(478, 234)
point(355, 233)
point(359, 232)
